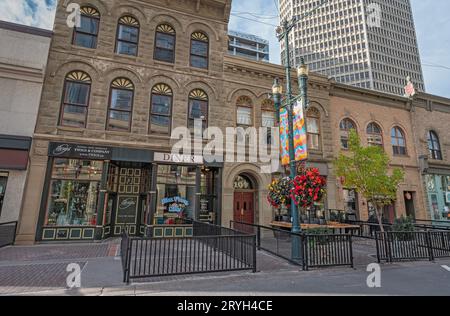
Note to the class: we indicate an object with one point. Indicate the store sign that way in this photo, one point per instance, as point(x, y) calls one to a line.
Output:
point(175, 158)
point(127, 210)
point(78, 151)
point(175, 204)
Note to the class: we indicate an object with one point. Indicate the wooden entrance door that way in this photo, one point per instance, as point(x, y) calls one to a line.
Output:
point(244, 208)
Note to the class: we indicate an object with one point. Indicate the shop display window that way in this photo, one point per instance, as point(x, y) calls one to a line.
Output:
point(73, 192)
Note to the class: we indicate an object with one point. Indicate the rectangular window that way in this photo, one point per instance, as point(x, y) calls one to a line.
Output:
point(120, 110)
point(176, 193)
point(313, 133)
point(127, 40)
point(73, 193)
point(165, 47)
point(3, 183)
point(75, 104)
point(268, 121)
point(244, 116)
point(199, 54)
point(86, 34)
point(198, 110)
point(161, 113)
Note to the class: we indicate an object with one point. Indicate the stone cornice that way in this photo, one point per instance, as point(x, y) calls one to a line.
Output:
point(21, 73)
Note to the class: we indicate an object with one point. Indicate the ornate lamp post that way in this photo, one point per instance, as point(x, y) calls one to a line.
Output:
point(290, 101)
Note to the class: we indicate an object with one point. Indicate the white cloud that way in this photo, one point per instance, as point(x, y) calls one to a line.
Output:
point(19, 11)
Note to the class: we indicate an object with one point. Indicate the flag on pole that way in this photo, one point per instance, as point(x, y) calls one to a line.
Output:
point(300, 137)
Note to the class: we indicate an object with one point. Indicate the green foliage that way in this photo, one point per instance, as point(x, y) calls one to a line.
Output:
point(404, 224)
point(366, 170)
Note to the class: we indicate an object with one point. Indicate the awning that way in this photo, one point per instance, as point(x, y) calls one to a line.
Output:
point(14, 152)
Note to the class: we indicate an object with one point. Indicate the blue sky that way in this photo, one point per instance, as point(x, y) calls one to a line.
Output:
point(431, 18)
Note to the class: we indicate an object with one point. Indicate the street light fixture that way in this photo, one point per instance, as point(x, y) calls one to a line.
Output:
point(289, 102)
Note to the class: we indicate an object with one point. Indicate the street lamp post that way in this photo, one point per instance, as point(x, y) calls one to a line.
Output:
point(277, 91)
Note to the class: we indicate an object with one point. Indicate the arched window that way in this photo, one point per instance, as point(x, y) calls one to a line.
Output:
point(313, 126)
point(127, 36)
point(244, 111)
point(161, 109)
point(398, 141)
point(165, 43)
point(268, 118)
point(120, 105)
point(199, 50)
point(434, 146)
point(86, 35)
point(75, 101)
point(374, 135)
point(198, 108)
point(346, 126)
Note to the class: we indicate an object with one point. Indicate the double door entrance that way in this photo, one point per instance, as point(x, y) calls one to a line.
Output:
point(244, 208)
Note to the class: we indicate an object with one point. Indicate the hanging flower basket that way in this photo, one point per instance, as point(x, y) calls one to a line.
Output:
point(308, 188)
point(280, 193)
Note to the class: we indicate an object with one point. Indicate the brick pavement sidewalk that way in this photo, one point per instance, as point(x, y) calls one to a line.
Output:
point(43, 267)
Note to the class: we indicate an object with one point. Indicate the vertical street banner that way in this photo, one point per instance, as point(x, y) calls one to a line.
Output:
point(284, 136)
point(300, 137)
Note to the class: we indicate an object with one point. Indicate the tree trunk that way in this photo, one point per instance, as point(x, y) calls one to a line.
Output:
point(380, 219)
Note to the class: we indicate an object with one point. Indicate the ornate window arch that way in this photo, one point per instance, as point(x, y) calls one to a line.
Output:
point(398, 141)
point(161, 109)
point(374, 135)
point(313, 126)
point(434, 146)
point(87, 34)
point(198, 108)
point(75, 101)
point(120, 105)
point(345, 127)
point(199, 50)
point(165, 42)
point(127, 39)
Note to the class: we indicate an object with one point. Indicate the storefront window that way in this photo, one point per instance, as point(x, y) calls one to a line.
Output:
point(176, 194)
point(351, 203)
point(208, 198)
point(73, 192)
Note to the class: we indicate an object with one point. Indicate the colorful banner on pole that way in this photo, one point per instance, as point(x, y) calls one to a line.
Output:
point(300, 137)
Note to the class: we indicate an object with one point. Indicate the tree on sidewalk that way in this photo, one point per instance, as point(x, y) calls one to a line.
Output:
point(366, 169)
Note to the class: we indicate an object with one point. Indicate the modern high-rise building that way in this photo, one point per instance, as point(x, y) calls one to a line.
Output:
point(365, 43)
point(248, 46)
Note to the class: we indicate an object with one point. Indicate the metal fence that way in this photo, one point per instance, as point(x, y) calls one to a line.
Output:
point(8, 233)
point(324, 250)
point(211, 249)
point(412, 246)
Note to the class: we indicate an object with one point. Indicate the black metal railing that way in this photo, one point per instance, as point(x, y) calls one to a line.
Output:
point(7, 233)
point(412, 246)
point(211, 249)
point(318, 250)
point(368, 230)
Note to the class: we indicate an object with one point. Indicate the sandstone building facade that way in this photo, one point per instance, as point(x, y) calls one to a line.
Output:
point(134, 71)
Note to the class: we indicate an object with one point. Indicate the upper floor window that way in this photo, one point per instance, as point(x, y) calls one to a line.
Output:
point(434, 146)
point(244, 111)
point(374, 135)
point(398, 141)
point(127, 36)
point(161, 109)
point(165, 43)
point(199, 50)
point(75, 100)
point(120, 105)
point(346, 126)
point(268, 118)
point(313, 126)
point(86, 35)
point(198, 108)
